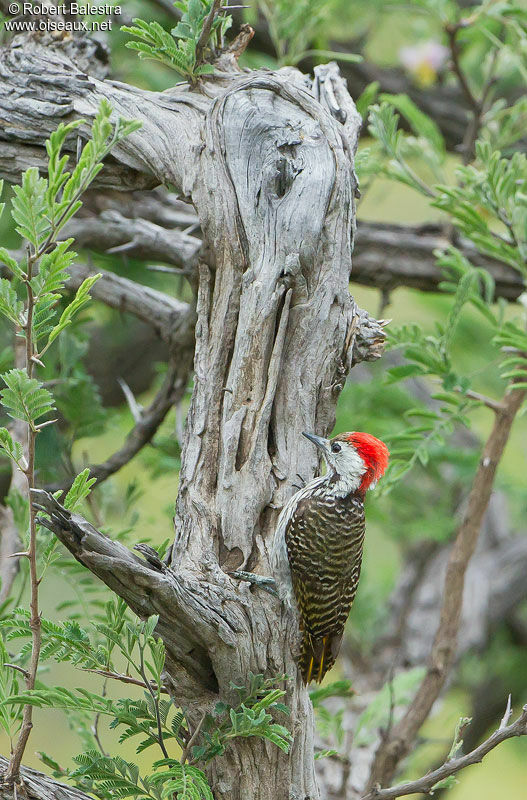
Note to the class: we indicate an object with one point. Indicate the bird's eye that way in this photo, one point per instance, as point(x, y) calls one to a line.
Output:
point(336, 448)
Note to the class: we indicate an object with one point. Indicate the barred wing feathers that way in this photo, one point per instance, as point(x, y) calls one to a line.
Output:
point(324, 539)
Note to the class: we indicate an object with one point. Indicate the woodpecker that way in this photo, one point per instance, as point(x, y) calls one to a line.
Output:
point(317, 547)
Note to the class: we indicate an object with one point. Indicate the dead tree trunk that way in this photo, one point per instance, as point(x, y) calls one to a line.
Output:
point(267, 160)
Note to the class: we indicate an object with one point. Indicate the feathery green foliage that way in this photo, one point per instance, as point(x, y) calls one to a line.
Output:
point(153, 717)
point(487, 203)
point(183, 49)
point(25, 398)
point(293, 27)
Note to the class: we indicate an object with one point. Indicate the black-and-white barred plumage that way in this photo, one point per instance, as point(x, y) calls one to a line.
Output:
point(317, 553)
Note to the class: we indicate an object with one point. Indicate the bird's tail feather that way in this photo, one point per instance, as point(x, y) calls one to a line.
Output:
point(317, 655)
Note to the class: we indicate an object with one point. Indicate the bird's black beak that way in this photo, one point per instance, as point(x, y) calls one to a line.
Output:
point(321, 443)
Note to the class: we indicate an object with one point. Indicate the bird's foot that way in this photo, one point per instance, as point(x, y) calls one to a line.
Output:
point(262, 581)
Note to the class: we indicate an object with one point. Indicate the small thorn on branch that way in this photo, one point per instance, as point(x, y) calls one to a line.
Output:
point(506, 717)
point(135, 408)
point(45, 424)
point(22, 671)
point(121, 248)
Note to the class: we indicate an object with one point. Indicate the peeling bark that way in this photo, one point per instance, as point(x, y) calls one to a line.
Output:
point(267, 161)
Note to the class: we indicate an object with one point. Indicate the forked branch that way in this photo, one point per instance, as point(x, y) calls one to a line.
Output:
point(425, 784)
point(396, 746)
point(195, 616)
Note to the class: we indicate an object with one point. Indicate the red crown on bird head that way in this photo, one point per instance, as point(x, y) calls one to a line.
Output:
point(373, 452)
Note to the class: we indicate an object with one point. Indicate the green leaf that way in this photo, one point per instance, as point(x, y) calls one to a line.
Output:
point(25, 398)
point(10, 306)
point(28, 207)
point(57, 174)
point(53, 268)
point(80, 489)
point(421, 123)
point(79, 301)
point(446, 783)
point(367, 97)
point(14, 450)
point(10, 717)
point(335, 689)
point(396, 695)
point(13, 265)
point(327, 754)
point(59, 697)
point(182, 780)
point(396, 374)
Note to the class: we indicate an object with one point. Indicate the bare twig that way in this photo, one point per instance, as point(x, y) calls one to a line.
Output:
point(170, 393)
point(390, 752)
point(136, 409)
point(452, 34)
point(13, 771)
point(117, 676)
point(97, 719)
point(195, 734)
point(205, 32)
point(111, 231)
point(425, 784)
point(162, 312)
point(494, 405)
point(16, 667)
point(477, 105)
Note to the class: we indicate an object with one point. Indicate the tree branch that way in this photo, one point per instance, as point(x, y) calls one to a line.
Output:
point(452, 32)
point(452, 766)
point(494, 586)
point(170, 393)
point(111, 232)
point(196, 616)
point(10, 543)
point(398, 744)
point(117, 676)
point(170, 318)
point(39, 786)
point(66, 92)
point(387, 256)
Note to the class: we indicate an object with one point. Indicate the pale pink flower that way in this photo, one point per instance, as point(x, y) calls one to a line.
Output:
point(424, 60)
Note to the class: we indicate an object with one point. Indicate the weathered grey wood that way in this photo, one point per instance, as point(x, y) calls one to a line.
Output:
point(157, 308)
point(40, 87)
point(138, 238)
point(388, 256)
point(267, 161)
point(39, 786)
point(272, 349)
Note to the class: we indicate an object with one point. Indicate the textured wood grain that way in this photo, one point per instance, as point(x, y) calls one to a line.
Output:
point(267, 161)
